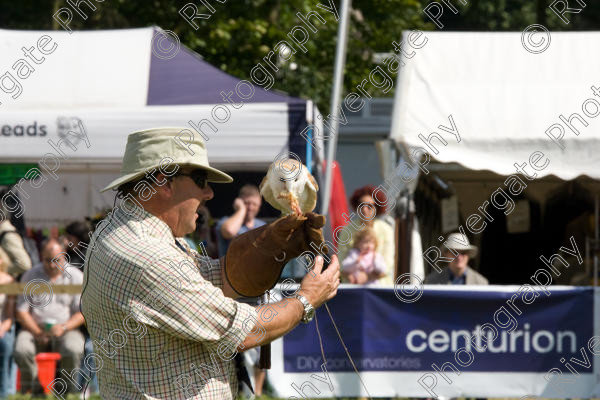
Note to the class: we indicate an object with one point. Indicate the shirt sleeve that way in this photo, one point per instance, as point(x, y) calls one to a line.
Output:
point(173, 296)
point(219, 224)
point(429, 279)
point(22, 304)
point(210, 269)
point(12, 244)
point(350, 261)
point(77, 279)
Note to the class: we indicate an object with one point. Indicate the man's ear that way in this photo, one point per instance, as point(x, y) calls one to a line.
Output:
point(163, 185)
point(160, 179)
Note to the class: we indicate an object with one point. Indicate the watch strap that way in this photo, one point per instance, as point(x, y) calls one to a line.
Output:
point(309, 310)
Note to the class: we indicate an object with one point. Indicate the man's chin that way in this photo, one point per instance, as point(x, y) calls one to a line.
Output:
point(458, 270)
point(185, 231)
point(189, 230)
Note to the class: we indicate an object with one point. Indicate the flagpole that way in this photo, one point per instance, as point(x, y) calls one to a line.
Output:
point(340, 61)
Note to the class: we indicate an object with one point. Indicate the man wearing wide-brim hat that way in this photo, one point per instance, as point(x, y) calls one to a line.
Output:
point(162, 318)
point(457, 272)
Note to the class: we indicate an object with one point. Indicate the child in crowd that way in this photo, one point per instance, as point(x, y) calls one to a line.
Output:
point(363, 265)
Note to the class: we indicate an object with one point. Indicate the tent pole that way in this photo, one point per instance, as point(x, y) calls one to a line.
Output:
point(340, 61)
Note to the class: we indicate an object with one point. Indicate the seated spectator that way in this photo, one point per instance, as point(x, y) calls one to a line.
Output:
point(457, 272)
point(12, 243)
point(49, 323)
point(7, 328)
point(246, 206)
point(370, 214)
point(363, 265)
point(77, 234)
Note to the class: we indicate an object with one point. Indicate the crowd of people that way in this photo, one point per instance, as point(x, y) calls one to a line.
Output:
point(30, 324)
point(39, 322)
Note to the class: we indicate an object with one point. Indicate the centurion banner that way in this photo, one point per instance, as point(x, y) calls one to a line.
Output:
point(446, 341)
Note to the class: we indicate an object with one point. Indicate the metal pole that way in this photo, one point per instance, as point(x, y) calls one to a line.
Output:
point(597, 235)
point(340, 61)
point(588, 264)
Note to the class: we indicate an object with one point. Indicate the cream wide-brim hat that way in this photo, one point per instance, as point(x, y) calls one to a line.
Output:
point(456, 241)
point(150, 148)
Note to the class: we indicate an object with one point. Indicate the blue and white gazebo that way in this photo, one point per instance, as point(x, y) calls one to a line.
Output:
point(120, 81)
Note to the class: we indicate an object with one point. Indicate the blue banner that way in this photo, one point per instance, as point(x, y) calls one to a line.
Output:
point(533, 330)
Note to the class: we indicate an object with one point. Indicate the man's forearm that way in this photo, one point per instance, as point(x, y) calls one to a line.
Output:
point(75, 321)
point(6, 324)
point(28, 322)
point(231, 226)
point(289, 313)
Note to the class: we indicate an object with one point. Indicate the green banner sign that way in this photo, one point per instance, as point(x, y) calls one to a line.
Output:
point(11, 173)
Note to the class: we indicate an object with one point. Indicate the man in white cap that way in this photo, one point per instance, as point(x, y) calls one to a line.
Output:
point(163, 319)
point(457, 272)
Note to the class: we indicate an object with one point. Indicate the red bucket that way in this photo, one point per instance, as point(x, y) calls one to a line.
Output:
point(46, 363)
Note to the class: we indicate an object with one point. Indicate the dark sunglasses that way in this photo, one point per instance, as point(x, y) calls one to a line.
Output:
point(199, 177)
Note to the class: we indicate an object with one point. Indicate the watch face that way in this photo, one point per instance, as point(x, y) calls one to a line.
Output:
point(309, 311)
point(310, 314)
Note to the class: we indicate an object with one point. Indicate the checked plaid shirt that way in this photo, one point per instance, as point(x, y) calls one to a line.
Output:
point(160, 324)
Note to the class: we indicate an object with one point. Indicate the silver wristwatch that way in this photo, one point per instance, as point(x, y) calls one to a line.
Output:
point(309, 310)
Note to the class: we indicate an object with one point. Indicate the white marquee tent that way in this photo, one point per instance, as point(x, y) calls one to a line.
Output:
point(509, 106)
point(503, 99)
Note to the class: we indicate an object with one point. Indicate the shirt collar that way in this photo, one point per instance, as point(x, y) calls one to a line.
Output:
point(156, 227)
point(463, 276)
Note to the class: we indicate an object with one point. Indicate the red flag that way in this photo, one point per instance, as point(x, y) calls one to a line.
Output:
point(338, 203)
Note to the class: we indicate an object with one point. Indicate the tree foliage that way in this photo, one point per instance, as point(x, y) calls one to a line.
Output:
point(516, 15)
point(240, 33)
